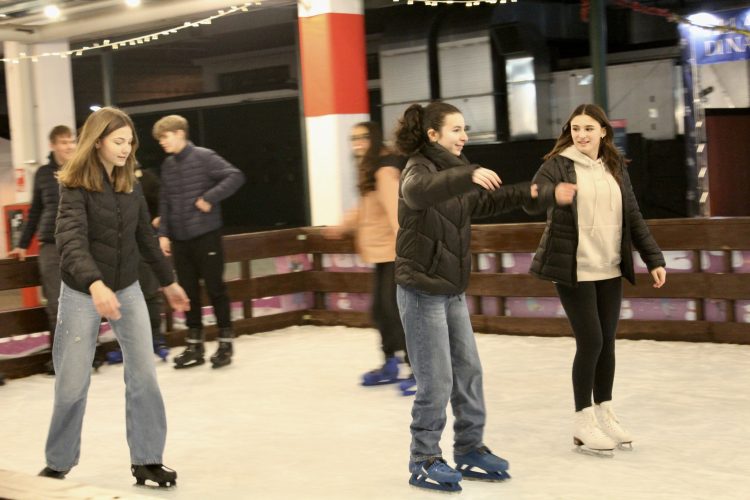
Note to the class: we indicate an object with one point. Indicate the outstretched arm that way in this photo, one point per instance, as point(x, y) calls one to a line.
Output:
point(552, 190)
point(502, 200)
point(422, 187)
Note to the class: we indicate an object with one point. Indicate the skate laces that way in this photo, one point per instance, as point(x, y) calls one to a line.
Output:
point(609, 417)
point(593, 425)
point(438, 463)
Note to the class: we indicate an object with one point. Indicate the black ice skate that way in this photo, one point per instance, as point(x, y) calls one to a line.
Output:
point(193, 353)
point(54, 474)
point(223, 355)
point(163, 476)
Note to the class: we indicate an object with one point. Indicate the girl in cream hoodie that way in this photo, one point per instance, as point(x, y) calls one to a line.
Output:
point(586, 249)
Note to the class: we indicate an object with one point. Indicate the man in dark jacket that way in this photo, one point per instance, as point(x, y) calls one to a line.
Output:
point(194, 181)
point(42, 216)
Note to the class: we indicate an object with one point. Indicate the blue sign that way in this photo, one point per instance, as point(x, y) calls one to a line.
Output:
point(711, 46)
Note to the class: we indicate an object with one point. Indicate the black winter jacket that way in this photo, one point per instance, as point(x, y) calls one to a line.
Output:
point(186, 176)
point(555, 259)
point(44, 202)
point(104, 236)
point(437, 200)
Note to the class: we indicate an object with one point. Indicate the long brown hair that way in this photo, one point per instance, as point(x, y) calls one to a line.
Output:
point(607, 150)
point(85, 168)
point(411, 131)
point(371, 160)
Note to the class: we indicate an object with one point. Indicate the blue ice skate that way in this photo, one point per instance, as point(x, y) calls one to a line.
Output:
point(408, 386)
point(491, 467)
point(387, 374)
point(434, 474)
point(114, 357)
point(162, 351)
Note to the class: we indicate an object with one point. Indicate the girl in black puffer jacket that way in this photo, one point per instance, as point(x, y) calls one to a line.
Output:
point(587, 249)
point(440, 192)
point(103, 230)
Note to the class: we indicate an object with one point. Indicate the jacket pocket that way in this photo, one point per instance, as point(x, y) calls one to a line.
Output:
point(436, 258)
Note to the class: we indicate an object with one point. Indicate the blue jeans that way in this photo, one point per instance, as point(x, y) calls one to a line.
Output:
point(73, 352)
point(446, 365)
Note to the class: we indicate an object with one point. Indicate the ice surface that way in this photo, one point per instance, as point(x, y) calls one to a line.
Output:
point(288, 420)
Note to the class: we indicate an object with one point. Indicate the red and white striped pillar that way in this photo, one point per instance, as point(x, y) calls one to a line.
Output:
point(334, 92)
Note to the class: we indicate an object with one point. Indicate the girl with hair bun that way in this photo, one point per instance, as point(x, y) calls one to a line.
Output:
point(440, 193)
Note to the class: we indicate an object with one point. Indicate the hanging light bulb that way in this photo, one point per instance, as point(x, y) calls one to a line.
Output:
point(52, 11)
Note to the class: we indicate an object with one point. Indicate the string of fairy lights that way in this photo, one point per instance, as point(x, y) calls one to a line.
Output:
point(244, 7)
point(134, 41)
point(630, 4)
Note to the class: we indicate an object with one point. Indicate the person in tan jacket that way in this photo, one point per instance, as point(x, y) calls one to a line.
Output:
point(374, 224)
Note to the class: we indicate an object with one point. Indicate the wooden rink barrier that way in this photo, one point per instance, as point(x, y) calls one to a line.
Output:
point(696, 235)
point(20, 486)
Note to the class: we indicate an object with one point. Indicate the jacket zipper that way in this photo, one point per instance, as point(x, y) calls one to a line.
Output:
point(119, 242)
point(574, 209)
point(460, 234)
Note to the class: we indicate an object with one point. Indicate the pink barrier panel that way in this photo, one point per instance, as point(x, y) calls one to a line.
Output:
point(531, 307)
point(346, 301)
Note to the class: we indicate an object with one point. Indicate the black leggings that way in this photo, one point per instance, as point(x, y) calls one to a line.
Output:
point(593, 309)
point(385, 310)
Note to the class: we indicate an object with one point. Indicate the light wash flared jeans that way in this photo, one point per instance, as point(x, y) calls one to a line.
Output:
point(445, 361)
point(73, 352)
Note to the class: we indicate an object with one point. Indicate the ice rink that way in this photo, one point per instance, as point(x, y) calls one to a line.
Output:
point(288, 420)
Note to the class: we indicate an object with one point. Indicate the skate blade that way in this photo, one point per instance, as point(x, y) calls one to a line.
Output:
point(424, 483)
point(482, 475)
point(147, 483)
point(407, 389)
point(189, 365)
point(625, 446)
point(380, 382)
point(594, 453)
point(219, 365)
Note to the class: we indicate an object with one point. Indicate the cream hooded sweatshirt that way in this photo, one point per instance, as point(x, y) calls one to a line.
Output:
point(599, 205)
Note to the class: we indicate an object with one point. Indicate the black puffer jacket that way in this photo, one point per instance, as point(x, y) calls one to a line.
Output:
point(437, 200)
point(186, 176)
point(44, 202)
point(555, 259)
point(103, 236)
